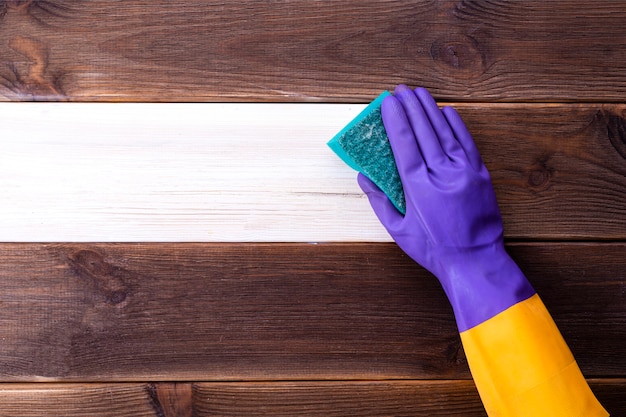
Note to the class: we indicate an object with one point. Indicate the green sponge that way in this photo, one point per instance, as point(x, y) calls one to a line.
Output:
point(364, 146)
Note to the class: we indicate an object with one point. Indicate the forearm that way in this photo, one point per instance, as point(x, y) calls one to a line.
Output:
point(522, 366)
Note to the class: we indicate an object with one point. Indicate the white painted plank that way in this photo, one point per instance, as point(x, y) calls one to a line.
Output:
point(178, 172)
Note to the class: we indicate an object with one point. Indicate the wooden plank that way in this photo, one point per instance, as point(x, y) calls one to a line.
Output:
point(30, 400)
point(262, 172)
point(168, 312)
point(410, 398)
point(335, 398)
point(406, 398)
point(78, 400)
point(556, 169)
point(178, 172)
point(191, 50)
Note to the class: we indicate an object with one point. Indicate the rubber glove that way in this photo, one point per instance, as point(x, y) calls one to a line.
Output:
point(452, 225)
point(519, 361)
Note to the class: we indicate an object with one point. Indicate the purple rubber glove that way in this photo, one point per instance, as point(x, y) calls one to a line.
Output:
point(452, 225)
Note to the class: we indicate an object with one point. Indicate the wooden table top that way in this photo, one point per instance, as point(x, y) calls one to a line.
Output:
point(188, 246)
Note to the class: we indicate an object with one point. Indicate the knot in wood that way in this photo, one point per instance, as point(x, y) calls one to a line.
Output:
point(538, 177)
point(108, 280)
point(33, 79)
point(89, 261)
point(539, 174)
point(462, 53)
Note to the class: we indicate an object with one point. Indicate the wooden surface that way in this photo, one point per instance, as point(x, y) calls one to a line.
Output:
point(219, 292)
point(174, 312)
point(163, 50)
point(335, 399)
point(269, 313)
point(397, 398)
point(205, 172)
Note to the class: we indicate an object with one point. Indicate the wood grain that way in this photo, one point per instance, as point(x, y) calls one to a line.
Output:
point(389, 398)
point(263, 172)
point(176, 312)
point(414, 398)
point(337, 398)
point(78, 400)
point(558, 171)
point(191, 50)
point(198, 329)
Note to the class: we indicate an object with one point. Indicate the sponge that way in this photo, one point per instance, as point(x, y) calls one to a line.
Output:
point(364, 146)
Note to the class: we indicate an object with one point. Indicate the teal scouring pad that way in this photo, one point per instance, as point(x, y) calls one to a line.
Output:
point(364, 146)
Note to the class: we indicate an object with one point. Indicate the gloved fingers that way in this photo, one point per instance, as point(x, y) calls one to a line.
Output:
point(425, 134)
point(384, 209)
point(463, 136)
point(438, 121)
point(403, 143)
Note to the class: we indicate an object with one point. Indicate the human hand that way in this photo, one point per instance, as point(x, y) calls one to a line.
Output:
point(451, 205)
point(452, 225)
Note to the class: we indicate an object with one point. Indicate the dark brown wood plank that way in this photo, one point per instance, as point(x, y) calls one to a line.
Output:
point(393, 398)
point(77, 400)
point(333, 398)
point(147, 312)
point(414, 398)
point(559, 171)
point(311, 50)
point(341, 398)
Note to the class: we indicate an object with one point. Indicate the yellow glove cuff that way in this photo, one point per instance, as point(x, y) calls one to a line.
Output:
point(522, 366)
